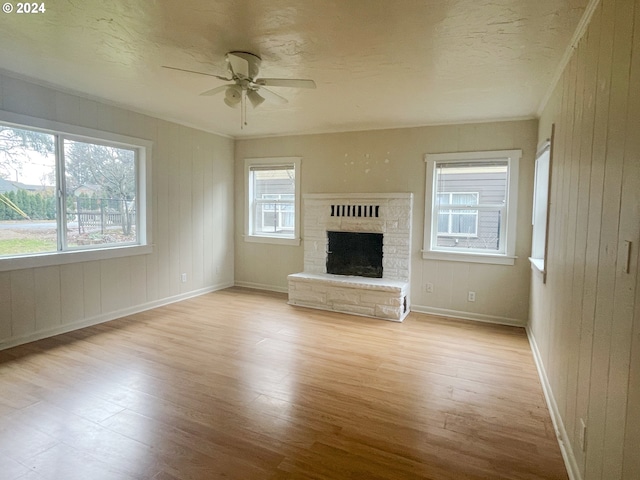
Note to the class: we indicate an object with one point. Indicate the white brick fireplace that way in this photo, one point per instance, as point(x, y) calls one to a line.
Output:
point(388, 214)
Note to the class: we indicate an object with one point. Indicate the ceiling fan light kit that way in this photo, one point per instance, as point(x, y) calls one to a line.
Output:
point(244, 68)
point(233, 96)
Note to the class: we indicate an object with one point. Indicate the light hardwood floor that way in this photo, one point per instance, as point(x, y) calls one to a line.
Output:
point(239, 385)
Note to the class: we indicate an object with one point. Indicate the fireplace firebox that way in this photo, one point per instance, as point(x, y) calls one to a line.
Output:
point(355, 253)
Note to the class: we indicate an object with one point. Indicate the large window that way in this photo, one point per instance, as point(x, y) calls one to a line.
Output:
point(470, 206)
point(273, 200)
point(65, 192)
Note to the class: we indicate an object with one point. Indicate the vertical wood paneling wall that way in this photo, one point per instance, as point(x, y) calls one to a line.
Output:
point(585, 321)
point(192, 222)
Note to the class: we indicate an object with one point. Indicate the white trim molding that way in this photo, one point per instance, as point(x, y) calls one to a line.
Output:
point(261, 286)
point(102, 318)
point(505, 255)
point(561, 433)
point(477, 317)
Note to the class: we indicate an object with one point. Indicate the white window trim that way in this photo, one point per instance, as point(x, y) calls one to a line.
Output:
point(506, 258)
point(271, 161)
point(144, 147)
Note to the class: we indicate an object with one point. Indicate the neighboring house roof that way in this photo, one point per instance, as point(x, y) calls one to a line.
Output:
point(7, 186)
point(31, 188)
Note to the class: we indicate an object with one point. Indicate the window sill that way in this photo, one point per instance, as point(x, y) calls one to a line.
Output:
point(469, 257)
point(456, 235)
point(63, 258)
point(272, 240)
point(537, 264)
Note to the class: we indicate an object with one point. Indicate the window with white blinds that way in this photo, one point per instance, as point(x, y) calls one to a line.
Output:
point(272, 213)
point(470, 206)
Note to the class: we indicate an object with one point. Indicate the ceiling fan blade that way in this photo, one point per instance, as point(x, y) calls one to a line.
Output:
point(213, 91)
point(239, 65)
point(255, 98)
point(198, 73)
point(272, 96)
point(286, 82)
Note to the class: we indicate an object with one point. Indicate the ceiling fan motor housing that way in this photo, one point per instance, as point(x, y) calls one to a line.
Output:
point(253, 63)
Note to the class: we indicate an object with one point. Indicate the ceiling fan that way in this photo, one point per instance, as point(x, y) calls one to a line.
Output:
point(243, 69)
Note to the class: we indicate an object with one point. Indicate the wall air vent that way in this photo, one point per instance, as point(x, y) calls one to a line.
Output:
point(372, 211)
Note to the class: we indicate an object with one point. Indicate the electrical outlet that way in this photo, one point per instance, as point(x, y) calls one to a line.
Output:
point(582, 435)
point(183, 278)
point(471, 297)
point(429, 287)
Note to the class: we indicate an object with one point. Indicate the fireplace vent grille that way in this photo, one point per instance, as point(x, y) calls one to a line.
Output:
point(372, 211)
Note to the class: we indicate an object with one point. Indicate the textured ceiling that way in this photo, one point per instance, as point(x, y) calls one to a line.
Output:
point(376, 63)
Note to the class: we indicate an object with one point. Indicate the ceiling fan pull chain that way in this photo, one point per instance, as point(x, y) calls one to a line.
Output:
point(243, 109)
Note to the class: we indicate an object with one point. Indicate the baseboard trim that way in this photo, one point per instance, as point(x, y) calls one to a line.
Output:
point(478, 317)
point(261, 286)
point(95, 320)
point(561, 433)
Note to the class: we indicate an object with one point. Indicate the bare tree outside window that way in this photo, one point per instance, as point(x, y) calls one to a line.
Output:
point(101, 191)
point(17, 147)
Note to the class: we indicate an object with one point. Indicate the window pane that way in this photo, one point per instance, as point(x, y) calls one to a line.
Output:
point(27, 192)
point(443, 222)
point(101, 189)
point(488, 178)
point(540, 205)
point(465, 233)
point(274, 217)
point(481, 183)
point(464, 198)
point(274, 200)
point(463, 223)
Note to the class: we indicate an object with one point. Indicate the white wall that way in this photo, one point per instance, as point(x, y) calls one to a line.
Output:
point(585, 321)
point(393, 161)
point(192, 204)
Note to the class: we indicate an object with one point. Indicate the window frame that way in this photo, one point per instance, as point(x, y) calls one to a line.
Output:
point(74, 254)
point(540, 209)
point(275, 162)
point(505, 257)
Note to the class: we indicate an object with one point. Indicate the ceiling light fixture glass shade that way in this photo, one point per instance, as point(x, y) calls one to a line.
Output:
point(255, 98)
point(233, 96)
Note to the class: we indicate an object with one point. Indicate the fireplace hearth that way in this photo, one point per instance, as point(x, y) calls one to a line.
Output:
point(355, 253)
